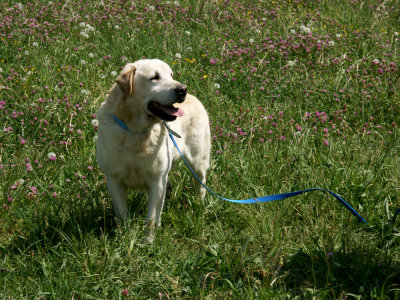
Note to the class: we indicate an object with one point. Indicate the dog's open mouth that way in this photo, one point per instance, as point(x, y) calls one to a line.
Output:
point(165, 112)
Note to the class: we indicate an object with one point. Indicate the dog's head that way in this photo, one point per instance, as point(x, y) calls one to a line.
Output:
point(147, 85)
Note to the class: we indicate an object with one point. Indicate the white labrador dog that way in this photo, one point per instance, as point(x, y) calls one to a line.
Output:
point(141, 154)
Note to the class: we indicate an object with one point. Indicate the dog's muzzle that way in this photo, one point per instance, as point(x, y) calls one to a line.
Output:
point(180, 91)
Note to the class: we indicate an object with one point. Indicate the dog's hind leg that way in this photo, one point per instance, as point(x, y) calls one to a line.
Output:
point(199, 162)
point(119, 198)
point(201, 174)
point(199, 165)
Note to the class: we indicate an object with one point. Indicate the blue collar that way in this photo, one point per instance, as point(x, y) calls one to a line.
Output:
point(123, 125)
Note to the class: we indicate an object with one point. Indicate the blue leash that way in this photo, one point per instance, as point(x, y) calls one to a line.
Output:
point(270, 198)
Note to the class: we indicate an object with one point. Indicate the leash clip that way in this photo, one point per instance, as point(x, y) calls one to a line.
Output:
point(170, 130)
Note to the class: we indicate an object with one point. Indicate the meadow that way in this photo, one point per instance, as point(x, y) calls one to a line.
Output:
point(300, 94)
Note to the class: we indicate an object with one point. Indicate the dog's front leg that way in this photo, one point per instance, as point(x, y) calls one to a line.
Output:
point(155, 205)
point(117, 191)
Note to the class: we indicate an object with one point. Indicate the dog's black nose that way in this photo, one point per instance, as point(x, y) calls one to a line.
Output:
point(181, 91)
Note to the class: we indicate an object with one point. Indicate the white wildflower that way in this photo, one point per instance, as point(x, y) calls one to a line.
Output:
point(20, 6)
point(35, 44)
point(291, 63)
point(20, 181)
point(176, 3)
point(1, 70)
point(189, 49)
point(178, 56)
point(95, 123)
point(217, 86)
point(293, 31)
point(85, 92)
point(264, 19)
point(84, 34)
point(82, 24)
point(95, 139)
point(251, 41)
point(116, 27)
point(89, 28)
point(396, 33)
point(91, 55)
point(151, 7)
point(331, 43)
point(338, 35)
point(52, 156)
point(376, 61)
point(83, 62)
point(26, 52)
point(187, 32)
point(305, 29)
point(113, 73)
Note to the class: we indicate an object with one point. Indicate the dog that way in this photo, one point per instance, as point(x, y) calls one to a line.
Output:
point(140, 154)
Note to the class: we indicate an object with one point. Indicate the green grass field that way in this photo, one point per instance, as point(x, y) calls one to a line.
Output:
point(300, 94)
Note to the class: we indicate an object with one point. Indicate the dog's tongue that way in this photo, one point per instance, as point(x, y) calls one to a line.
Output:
point(173, 111)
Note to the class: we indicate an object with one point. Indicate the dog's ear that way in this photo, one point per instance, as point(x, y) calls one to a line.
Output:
point(125, 81)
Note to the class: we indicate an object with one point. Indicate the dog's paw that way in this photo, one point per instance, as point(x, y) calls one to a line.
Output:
point(148, 240)
point(202, 193)
point(149, 235)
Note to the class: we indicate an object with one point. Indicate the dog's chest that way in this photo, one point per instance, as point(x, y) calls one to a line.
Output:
point(142, 161)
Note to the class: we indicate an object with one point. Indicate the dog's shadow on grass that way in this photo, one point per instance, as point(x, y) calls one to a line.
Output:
point(51, 228)
point(93, 216)
point(359, 272)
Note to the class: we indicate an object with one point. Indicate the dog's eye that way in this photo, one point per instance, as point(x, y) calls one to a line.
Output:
point(155, 77)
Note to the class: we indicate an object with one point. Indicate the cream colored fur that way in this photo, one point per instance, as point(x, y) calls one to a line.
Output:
point(143, 157)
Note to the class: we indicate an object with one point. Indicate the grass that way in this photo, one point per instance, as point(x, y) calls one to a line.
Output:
point(300, 94)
